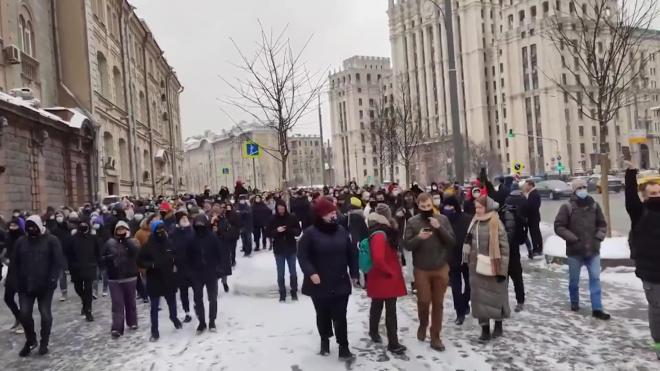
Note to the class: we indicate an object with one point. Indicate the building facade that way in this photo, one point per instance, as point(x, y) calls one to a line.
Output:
point(355, 92)
point(507, 81)
point(208, 155)
point(305, 168)
point(111, 66)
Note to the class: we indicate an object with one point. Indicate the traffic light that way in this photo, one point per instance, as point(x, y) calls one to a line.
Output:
point(511, 135)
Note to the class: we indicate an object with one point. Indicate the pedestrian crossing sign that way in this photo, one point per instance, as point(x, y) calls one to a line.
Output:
point(517, 167)
point(251, 150)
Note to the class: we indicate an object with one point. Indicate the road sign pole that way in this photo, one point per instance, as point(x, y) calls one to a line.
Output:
point(254, 173)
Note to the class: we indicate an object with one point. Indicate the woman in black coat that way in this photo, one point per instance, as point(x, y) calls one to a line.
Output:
point(283, 229)
point(157, 257)
point(261, 216)
point(326, 256)
point(84, 257)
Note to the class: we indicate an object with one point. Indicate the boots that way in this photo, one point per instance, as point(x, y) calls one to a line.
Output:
point(397, 348)
point(212, 327)
point(187, 318)
point(282, 297)
point(485, 334)
point(43, 348)
point(421, 333)
point(599, 314)
point(376, 338)
point(345, 354)
point(497, 332)
point(294, 296)
point(201, 328)
point(460, 320)
point(325, 347)
point(177, 324)
point(28, 348)
point(89, 317)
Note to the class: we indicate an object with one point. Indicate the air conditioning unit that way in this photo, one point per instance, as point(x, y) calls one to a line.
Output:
point(110, 163)
point(12, 54)
point(25, 93)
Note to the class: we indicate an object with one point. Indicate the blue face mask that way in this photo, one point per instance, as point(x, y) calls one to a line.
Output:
point(448, 212)
point(582, 193)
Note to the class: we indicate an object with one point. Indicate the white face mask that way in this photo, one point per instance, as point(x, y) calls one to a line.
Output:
point(184, 224)
point(96, 227)
point(436, 202)
point(59, 219)
point(138, 217)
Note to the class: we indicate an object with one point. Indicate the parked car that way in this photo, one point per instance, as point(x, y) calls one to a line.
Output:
point(536, 180)
point(109, 200)
point(614, 184)
point(554, 189)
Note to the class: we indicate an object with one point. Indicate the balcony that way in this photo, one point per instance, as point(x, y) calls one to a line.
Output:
point(29, 68)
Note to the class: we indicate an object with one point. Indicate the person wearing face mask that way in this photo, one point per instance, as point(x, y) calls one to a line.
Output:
point(459, 274)
point(229, 230)
point(103, 235)
point(84, 252)
point(15, 230)
point(37, 264)
point(244, 211)
point(371, 205)
point(406, 209)
point(430, 238)
point(208, 259)
point(120, 260)
point(158, 258)
point(301, 208)
point(582, 225)
point(284, 229)
point(261, 216)
point(643, 239)
point(182, 239)
point(167, 216)
point(513, 216)
point(134, 223)
point(437, 201)
point(329, 262)
point(62, 231)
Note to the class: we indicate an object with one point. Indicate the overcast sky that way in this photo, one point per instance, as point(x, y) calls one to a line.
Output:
point(195, 35)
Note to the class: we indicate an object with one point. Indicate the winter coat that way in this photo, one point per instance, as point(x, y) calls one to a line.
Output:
point(460, 223)
point(37, 264)
point(157, 257)
point(489, 298)
point(402, 215)
point(142, 236)
point(357, 227)
point(533, 213)
point(120, 259)
point(302, 209)
point(10, 244)
point(644, 232)
point(284, 243)
point(582, 225)
point(182, 240)
point(84, 256)
point(229, 227)
point(261, 214)
point(327, 251)
point(433, 253)
point(385, 279)
point(515, 220)
point(208, 256)
point(245, 214)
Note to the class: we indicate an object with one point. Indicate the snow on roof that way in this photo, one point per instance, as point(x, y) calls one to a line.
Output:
point(76, 121)
point(77, 117)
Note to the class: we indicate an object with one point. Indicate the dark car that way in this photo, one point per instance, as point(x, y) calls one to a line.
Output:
point(614, 184)
point(554, 189)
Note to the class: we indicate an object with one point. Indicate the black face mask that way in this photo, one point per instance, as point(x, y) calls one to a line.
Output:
point(426, 213)
point(15, 233)
point(122, 236)
point(653, 203)
point(200, 229)
point(83, 228)
point(373, 204)
point(33, 231)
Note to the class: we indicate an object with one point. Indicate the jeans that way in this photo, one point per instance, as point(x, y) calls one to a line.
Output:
point(332, 311)
point(259, 234)
point(516, 273)
point(212, 296)
point(246, 239)
point(592, 263)
point(290, 260)
point(10, 293)
point(391, 325)
point(63, 283)
point(431, 287)
point(122, 296)
point(652, 291)
point(459, 277)
point(101, 275)
point(84, 290)
point(155, 303)
point(44, 301)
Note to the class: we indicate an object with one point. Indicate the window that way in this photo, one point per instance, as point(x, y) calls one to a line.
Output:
point(119, 86)
point(545, 8)
point(360, 102)
point(102, 66)
point(26, 34)
point(143, 108)
point(108, 145)
point(533, 12)
point(124, 161)
point(581, 131)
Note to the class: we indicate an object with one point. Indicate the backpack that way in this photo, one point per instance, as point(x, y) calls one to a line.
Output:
point(364, 248)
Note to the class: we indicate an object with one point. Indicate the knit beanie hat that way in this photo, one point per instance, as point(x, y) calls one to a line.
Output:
point(578, 183)
point(323, 207)
point(384, 210)
point(356, 202)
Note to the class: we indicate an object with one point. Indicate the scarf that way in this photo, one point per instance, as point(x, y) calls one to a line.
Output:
point(493, 240)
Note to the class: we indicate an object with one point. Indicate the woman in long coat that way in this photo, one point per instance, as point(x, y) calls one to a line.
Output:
point(488, 279)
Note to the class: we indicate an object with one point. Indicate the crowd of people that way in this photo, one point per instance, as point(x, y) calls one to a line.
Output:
point(420, 240)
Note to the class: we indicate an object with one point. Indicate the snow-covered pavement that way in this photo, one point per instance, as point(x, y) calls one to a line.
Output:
point(255, 332)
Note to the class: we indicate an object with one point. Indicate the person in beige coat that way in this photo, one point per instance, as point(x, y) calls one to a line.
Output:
point(487, 254)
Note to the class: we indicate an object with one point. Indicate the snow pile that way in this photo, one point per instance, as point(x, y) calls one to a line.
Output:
point(76, 122)
point(257, 275)
point(611, 248)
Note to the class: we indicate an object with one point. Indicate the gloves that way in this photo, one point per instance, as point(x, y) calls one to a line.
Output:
point(500, 279)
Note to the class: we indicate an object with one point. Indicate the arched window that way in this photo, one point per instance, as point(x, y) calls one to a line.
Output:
point(102, 66)
point(119, 86)
point(124, 161)
point(143, 108)
point(26, 33)
point(80, 185)
point(146, 166)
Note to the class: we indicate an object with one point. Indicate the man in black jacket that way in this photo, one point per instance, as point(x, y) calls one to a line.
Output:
point(37, 265)
point(228, 226)
point(15, 230)
point(301, 208)
point(182, 238)
point(643, 239)
point(261, 215)
point(516, 227)
point(84, 254)
point(61, 229)
point(534, 217)
point(244, 211)
point(284, 229)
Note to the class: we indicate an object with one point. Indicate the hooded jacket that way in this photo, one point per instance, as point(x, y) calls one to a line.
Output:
point(84, 255)
point(582, 225)
point(157, 257)
point(38, 260)
point(182, 239)
point(386, 276)
point(142, 235)
point(284, 243)
point(261, 214)
point(120, 257)
point(460, 222)
point(302, 209)
point(207, 257)
point(434, 252)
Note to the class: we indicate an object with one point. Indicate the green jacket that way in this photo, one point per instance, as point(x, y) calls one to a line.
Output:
point(433, 253)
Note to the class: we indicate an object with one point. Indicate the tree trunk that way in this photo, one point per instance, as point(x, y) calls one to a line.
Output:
point(605, 190)
point(284, 186)
point(407, 166)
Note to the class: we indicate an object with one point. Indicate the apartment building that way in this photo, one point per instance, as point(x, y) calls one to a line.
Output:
point(305, 167)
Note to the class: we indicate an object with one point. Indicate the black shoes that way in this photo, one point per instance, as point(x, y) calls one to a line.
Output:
point(599, 314)
point(89, 317)
point(282, 298)
point(498, 331)
point(460, 320)
point(187, 319)
point(212, 327)
point(201, 328)
point(345, 354)
point(519, 307)
point(43, 349)
point(177, 324)
point(225, 286)
point(115, 334)
point(397, 349)
point(485, 334)
point(575, 307)
point(294, 296)
point(325, 347)
point(376, 338)
point(154, 336)
point(28, 348)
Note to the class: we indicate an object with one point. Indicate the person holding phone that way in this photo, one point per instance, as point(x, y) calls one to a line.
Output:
point(430, 237)
point(283, 230)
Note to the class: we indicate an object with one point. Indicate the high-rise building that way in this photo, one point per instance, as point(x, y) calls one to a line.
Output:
point(355, 93)
point(305, 168)
point(508, 69)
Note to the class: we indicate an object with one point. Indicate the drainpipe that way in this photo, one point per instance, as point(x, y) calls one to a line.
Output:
point(146, 93)
point(175, 173)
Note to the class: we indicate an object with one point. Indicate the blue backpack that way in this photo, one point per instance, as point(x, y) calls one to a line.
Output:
point(364, 248)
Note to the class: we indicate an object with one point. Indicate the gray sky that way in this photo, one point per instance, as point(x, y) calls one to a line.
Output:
point(195, 37)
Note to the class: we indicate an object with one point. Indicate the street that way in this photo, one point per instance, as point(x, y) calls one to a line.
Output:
point(620, 220)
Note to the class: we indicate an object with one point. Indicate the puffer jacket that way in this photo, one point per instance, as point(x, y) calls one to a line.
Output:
point(284, 243)
point(84, 256)
point(582, 225)
point(208, 256)
point(120, 259)
point(157, 257)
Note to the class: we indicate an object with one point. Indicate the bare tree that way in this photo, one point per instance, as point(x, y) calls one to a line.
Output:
point(385, 132)
point(604, 40)
point(407, 126)
point(277, 89)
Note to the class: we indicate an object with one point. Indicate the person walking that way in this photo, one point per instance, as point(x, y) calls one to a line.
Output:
point(644, 236)
point(61, 229)
point(301, 208)
point(581, 223)
point(182, 240)
point(515, 224)
point(84, 258)
point(157, 257)
point(459, 274)
point(329, 262)
point(487, 254)
point(430, 238)
point(15, 230)
point(385, 283)
point(229, 230)
point(120, 260)
point(284, 229)
point(245, 214)
point(406, 208)
point(208, 259)
point(533, 216)
point(37, 265)
point(261, 216)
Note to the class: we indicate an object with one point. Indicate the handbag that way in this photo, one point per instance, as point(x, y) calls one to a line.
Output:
point(484, 265)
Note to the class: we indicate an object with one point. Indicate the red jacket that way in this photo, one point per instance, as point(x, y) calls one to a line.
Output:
point(385, 278)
